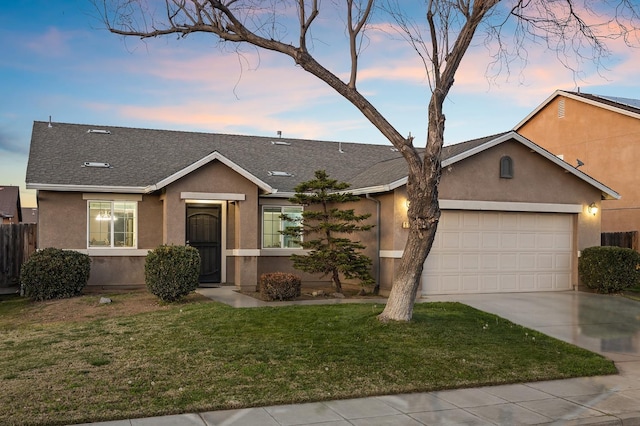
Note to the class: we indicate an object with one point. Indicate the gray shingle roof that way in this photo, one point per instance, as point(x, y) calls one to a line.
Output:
point(627, 104)
point(139, 159)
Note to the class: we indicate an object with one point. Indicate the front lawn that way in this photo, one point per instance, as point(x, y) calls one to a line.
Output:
point(202, 356)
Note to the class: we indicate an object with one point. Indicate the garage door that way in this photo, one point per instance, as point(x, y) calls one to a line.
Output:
point(485, 252)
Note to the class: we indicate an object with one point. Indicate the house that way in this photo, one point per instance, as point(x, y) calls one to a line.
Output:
point(10, 209)
point(601, 135)
point(514, 217)
point(29, 215)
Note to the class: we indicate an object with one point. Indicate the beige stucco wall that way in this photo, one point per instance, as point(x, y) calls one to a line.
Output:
point(63, 224)
point(536, 180)
point(608, 144)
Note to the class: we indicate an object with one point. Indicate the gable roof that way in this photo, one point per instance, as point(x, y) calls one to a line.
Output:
point(625, 106)
point(76, 157)
point(10, 202)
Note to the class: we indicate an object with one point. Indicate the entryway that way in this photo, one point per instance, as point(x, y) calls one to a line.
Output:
point(204, 230)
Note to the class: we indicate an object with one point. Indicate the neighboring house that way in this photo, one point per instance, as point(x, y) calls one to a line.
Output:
point(602, 135)
point(514, 215)
point(29, 215)
point(10, 209)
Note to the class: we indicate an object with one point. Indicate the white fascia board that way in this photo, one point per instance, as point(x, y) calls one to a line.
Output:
point(276, 194)
point(215, 155)
point(509, 206)
point(87, 188)
point(576, 98)
point(381, 188)
point(539, 107)
point(471, 152)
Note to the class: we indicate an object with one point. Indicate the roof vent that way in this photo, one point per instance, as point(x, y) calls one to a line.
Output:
point(277, 173)
point(96, 164)
point(280, 143)
point(99, 131)
point(394, 149)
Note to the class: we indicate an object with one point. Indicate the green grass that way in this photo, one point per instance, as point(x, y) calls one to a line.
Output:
point(208, 356)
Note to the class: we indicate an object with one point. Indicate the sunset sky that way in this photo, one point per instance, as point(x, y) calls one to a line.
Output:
point(56, 59)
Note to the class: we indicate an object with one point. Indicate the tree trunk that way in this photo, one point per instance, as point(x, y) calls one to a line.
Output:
point(336, 281)
point(423, 215)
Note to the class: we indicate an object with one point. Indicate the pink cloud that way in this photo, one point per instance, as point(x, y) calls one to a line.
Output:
point(52, 43)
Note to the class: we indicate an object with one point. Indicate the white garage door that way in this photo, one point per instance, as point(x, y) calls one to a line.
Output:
point(485, 252)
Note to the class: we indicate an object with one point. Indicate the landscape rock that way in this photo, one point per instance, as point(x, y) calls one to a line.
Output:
point(338, 295)
point(105, 300)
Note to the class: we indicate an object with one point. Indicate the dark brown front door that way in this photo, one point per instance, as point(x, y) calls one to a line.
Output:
point(204, 225)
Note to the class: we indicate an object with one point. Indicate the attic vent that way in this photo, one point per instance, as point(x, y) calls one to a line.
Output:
point(280, 143)
point(277, 173)
point(506, 167)
point(96, 164)
point(561, 108)
point(99, 131)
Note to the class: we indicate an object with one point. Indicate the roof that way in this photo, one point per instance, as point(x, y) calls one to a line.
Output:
point(10, 202)
point(77, 157)
point(625, 106)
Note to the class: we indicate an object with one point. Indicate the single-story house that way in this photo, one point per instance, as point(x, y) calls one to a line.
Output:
point(515, 217)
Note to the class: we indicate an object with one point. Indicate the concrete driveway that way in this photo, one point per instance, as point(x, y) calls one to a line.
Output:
point(606, 324)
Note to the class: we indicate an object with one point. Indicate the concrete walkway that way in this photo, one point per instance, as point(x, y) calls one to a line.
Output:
point(609, 325)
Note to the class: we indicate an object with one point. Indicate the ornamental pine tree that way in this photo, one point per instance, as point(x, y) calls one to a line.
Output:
point(325, 229)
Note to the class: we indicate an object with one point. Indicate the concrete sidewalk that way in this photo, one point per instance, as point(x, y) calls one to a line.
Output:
point(608, 325)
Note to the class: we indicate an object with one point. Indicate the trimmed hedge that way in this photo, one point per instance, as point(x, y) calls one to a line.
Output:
point(279, 286)
point(53, 273)
point(171, 272)
point(609, 269)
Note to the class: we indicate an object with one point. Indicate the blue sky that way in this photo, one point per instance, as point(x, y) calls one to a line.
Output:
point(56, 59)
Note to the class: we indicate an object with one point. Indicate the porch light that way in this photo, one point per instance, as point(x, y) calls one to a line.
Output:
point(593, 209)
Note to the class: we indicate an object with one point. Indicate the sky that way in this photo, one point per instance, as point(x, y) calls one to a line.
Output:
point(57, 60)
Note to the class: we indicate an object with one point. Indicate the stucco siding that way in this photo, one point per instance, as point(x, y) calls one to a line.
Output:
point(606, 141)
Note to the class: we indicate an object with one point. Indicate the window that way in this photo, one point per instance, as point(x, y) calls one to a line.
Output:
point(506, 167)
point(273, 223)
point(112, 224)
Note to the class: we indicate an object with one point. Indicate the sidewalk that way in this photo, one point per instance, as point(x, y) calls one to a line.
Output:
point(603, 400)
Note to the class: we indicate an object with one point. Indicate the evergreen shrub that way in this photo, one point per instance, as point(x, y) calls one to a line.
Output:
point(609, 269)
point(172, 272)
point(53, 273)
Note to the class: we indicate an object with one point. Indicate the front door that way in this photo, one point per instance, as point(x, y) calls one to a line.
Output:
point(204, 225)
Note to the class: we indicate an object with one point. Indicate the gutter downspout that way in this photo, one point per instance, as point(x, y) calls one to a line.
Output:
point(376, 289)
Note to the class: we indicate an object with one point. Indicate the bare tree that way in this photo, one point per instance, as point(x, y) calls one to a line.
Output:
point(571, 28)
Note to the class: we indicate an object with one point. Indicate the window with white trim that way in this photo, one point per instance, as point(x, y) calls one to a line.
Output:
point(273, 223)
point(112, 224)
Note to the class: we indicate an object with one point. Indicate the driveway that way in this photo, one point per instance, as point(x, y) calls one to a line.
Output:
point(606, 324)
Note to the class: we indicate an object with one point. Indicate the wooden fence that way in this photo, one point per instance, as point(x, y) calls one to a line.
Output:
point(17, 243)
point(620, 239)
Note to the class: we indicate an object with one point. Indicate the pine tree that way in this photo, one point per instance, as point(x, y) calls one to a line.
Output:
point(327, 228)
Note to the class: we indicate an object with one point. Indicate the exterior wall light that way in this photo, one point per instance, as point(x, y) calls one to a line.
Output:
point(593, 209)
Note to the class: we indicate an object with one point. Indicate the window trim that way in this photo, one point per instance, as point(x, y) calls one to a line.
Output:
point(262, 230)
point(112, 201)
